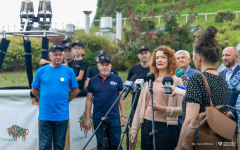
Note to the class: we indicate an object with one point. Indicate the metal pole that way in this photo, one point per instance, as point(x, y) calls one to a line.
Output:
point(87, 21)
point(103, 118)
point(153, 124)
point(126, 129)
point(118, 26)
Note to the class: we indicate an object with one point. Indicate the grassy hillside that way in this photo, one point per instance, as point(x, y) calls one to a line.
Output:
point(212, 5)
point(107, 7)
point(227, 36)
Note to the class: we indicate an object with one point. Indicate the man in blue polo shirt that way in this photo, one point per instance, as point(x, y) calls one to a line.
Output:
point(51, 86)
point(103, 90)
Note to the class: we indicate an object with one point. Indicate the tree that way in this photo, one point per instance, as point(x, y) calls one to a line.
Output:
point(175, 36)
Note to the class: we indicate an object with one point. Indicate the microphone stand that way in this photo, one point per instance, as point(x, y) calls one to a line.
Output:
point(126, 128)
point(233, 108)
point(152, 134)
point(104, 120)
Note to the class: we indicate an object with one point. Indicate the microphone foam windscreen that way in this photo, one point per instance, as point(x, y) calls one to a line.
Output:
point(150, 76)
point(142, 76)
point(134, 78)
point(167, 79)
point(179, 72)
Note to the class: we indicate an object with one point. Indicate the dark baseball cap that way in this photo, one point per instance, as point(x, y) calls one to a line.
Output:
point(141, 48)
point(100, 53)
point(56, 46)
point(104, 58)
point(67, 45)
point(78, 42)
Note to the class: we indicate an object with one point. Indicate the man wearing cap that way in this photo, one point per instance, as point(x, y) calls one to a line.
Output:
point(79, 65)
point(103, 90)
point(51, 86)
point(139, 69)
point(93, 71)
point(67, 55)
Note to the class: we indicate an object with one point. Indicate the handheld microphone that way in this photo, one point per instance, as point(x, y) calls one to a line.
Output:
point(129, 85)
point(150, 78)
point(181, 74)
point(167, 82)
point(139, 83)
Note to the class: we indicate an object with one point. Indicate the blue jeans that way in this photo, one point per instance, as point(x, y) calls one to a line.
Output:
point(166, 136)
point(52, 131)
point(113, 131)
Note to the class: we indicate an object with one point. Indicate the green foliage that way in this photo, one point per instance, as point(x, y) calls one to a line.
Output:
point(15, 60)
point(175, 36)
point(142, 6)
point(225, 15)
point(225, 36)
point(110, 7)
point(147, 25)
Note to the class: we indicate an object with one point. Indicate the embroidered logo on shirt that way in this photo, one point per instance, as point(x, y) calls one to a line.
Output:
point(113, 83)
point(62, 79)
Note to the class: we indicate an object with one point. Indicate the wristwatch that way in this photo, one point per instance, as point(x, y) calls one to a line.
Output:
point(125, 116)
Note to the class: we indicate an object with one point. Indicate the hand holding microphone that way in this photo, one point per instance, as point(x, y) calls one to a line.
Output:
point(167, 82)
point(180, 73)
point(177, 91)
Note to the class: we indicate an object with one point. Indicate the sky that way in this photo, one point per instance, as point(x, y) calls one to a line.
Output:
point(63, 11)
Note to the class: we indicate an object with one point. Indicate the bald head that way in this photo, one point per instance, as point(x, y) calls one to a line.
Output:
point(230, 57)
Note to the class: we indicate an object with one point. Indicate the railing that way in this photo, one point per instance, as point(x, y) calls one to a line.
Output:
point(62, 25)
point(186, 17)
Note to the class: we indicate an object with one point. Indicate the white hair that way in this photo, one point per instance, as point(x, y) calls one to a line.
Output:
point(183, 51)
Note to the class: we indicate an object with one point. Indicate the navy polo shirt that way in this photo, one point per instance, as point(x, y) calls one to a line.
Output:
point(104, 95)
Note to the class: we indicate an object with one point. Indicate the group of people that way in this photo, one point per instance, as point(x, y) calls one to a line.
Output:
point(56, 84)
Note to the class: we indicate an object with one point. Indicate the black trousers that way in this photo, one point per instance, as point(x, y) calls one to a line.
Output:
point(166, 136)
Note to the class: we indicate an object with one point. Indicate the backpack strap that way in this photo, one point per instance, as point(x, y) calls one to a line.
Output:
point(208, 91)
point(207, 88)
